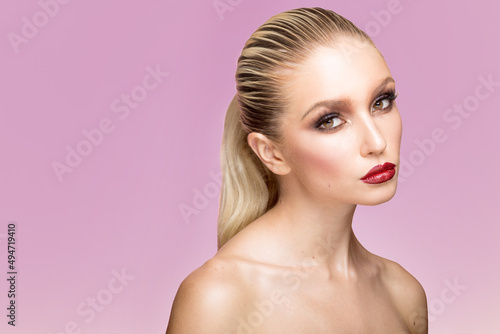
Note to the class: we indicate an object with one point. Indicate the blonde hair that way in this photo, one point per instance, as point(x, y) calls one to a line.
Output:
point(249, 188)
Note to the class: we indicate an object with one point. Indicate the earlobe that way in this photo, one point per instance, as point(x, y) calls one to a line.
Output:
point(268, 153)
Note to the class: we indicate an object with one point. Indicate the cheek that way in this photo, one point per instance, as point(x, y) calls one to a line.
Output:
point(321, 158)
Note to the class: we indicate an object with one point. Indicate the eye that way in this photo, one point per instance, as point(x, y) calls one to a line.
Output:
point(384, 102)
point(329, 122)
point(381, 104)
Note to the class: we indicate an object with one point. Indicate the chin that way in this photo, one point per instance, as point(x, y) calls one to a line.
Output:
point(381, 196)
point(378, 201)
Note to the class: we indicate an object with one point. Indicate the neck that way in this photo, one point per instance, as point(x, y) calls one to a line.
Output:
point(317, 235)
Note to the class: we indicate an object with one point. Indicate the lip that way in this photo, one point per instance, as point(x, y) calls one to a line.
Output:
point(380, 173)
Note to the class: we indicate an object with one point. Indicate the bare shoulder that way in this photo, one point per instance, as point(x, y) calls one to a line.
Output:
point(408, 295)
point(208, 300)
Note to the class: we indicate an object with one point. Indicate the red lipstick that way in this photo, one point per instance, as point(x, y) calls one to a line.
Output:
point(380, 173)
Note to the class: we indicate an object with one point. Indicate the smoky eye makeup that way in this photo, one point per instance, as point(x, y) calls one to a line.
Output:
point(390, 95)
point(382, 103)
point(327, 116)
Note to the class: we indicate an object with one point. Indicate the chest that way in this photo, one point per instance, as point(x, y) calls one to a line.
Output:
point(315, 308)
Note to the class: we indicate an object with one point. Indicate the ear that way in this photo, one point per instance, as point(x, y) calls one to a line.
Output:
point(268, 153)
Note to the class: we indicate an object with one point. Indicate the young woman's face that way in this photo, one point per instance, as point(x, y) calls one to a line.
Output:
point(341, 122)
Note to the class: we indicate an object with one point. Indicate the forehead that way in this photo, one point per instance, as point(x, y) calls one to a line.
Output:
point(351, 70)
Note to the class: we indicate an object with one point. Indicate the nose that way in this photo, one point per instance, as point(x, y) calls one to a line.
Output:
point(373, 140)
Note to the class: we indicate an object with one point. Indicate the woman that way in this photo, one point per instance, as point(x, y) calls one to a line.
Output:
point(312, 132)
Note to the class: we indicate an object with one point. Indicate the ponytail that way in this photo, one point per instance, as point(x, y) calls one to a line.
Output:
point(249, 188)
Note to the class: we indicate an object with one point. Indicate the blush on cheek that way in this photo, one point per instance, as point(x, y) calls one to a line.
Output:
point(321, 163)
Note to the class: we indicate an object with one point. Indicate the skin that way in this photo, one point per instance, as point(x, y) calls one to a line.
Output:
point(299, 268)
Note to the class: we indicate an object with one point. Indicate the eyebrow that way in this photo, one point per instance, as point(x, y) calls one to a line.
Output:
point(344, 102)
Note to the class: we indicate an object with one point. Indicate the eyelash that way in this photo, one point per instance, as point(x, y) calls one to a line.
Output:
point(326, 116)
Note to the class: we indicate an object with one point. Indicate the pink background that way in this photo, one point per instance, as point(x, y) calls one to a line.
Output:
point(119, 208)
